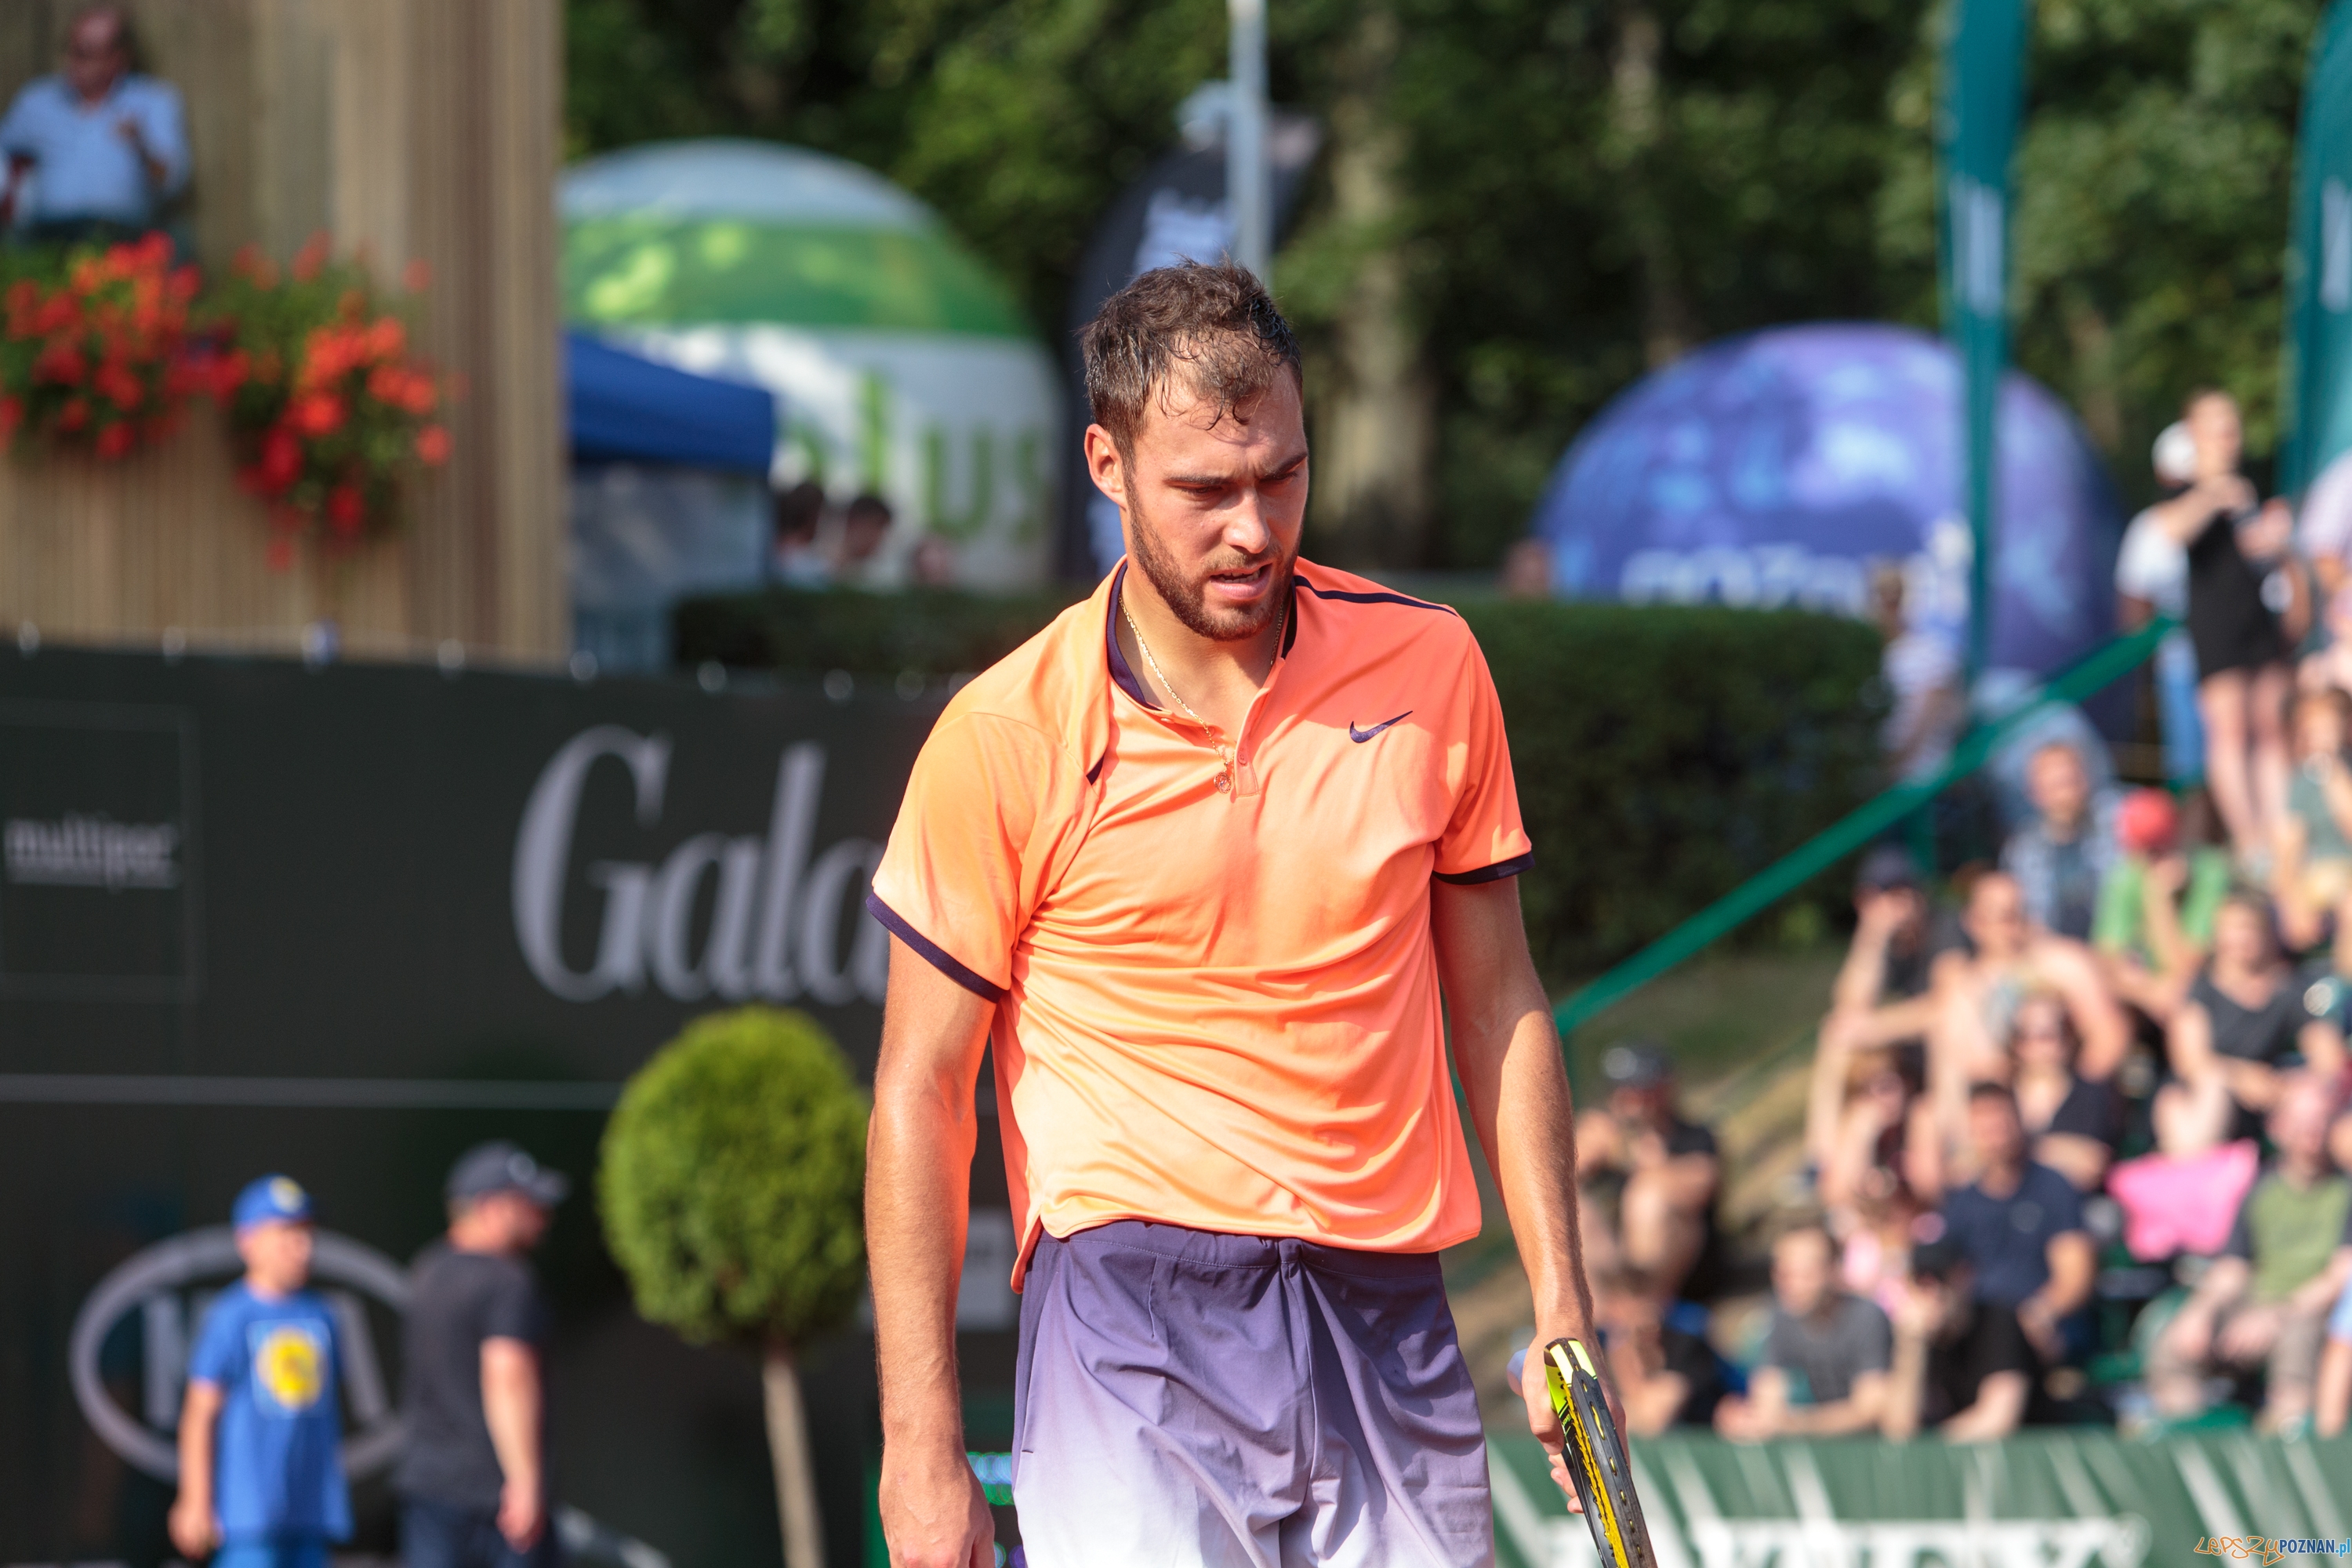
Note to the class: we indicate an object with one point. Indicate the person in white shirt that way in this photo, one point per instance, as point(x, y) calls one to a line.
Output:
point(2152, 579)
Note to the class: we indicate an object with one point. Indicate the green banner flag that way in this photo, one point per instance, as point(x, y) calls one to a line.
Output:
point(2051, 1497)
point(1976, 124)
point(2317, 373)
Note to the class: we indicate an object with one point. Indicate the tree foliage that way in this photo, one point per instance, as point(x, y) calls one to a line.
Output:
point(1583, 180)
point(732, 1181)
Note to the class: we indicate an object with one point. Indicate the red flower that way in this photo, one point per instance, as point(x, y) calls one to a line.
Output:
point(421, 397)
point(310, 259)
point(116, 382)
point(388, 339)
point(345, 510)
point(12, 415)
point(229, 371)
point(433, 445)
point(281, 461)
point(116, 440)
point(62, 362)
point(317, 413)
point(74, 414)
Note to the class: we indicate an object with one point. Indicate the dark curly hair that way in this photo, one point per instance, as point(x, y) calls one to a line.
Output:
point(1215, 322)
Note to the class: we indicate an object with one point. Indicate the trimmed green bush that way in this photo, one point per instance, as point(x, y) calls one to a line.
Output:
point(732, 1187)
point(1663, 754)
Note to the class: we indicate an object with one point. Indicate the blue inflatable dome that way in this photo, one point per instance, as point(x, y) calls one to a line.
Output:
point(1781, 468)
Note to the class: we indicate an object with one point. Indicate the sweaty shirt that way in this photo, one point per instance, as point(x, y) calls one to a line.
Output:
point(1215, 986)
point(279, 1465)
point(458, 1300)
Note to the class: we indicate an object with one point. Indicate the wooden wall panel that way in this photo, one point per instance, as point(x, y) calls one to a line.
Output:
point(409, 129)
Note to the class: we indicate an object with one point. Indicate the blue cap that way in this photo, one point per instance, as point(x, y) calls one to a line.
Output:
point(270, 1197)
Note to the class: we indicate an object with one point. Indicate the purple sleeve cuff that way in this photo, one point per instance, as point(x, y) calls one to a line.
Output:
point(939, 957)
point(1494, 873)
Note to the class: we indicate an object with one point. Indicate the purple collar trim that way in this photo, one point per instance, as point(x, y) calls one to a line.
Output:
point(1120, 670)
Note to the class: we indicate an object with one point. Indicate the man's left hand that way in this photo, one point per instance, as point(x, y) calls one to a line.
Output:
point(522, 1515)
point(2248, 1335)
point(1535, 1389)
point(2041, 1326)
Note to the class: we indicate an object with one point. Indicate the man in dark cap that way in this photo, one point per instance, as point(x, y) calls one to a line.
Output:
point(473, 1479)
point(1871, 1056)
point(1646, 1176)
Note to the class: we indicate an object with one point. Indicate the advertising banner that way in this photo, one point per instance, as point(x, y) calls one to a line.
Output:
point(902, 364)
point(1976, 123)
point(2047, 1497)
point(2319, 265)
point(343, 923)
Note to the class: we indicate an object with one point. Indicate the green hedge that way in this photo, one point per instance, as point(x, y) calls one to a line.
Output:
point(1663, 754)
point(931, 631)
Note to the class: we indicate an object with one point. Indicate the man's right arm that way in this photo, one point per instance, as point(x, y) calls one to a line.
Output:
point(514, 1409)
point(1999, 1407)
point(195, 1526)
point(918, 1187)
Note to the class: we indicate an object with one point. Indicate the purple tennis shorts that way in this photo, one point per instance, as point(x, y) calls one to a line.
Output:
point(1191, 1400)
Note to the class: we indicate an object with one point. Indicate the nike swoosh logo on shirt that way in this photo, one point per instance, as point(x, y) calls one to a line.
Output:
point(1361, 736)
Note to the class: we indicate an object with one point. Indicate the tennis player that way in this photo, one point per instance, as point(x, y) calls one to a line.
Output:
point(1202, 859)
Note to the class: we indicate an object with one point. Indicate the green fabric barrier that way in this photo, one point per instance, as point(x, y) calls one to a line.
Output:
point(2092, 673)
point(2051, 1498)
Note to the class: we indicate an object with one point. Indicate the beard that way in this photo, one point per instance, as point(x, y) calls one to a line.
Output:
point(1188, 598)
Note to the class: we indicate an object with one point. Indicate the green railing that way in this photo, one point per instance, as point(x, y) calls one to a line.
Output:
point(2092, 673)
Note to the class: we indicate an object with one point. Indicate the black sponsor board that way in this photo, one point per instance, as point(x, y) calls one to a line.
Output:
point(344, 922)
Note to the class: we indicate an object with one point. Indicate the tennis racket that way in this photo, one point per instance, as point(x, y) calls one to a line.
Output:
point(1596, 1456)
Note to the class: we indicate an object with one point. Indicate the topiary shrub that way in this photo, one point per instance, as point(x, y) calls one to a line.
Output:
point(733, 1189)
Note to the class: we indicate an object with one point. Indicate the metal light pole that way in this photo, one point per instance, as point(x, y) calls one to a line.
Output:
point(1246, 177)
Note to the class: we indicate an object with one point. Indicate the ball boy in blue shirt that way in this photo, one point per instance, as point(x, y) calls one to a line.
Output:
point(261, 1470)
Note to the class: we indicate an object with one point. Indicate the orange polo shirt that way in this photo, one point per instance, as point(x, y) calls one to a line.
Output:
point(1216, 990)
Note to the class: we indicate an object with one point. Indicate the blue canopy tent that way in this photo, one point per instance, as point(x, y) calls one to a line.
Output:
point(669, 496)
point(625, 409)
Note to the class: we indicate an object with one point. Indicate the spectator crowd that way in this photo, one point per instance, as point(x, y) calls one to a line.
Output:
point(2077, 1136)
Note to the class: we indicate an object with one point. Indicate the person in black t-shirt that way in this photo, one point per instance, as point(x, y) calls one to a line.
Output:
point(1963, 1366)
point(2235, 548)
point(1666, 1374)
point(2234, 1040)
point(1647, 1178)
point(473, 1476)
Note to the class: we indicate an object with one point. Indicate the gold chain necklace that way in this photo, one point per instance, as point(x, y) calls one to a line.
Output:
point(1224, 753)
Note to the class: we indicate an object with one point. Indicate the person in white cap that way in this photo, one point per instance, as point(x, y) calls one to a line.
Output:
point(2152, 579)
